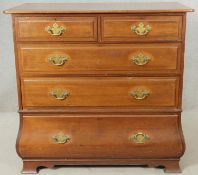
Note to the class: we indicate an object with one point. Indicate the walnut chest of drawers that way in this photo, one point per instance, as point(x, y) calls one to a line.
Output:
point(100, 84)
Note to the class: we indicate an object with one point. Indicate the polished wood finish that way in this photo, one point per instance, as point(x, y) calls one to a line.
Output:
point(100, 59)
point(118, 28)
point(99, 114)
point(169, 165)
point(99, 92)
point(76, 28)
point(100, 136)
point(68, 8)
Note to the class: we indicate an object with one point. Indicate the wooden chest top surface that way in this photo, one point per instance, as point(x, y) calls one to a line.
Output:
point(99, 8)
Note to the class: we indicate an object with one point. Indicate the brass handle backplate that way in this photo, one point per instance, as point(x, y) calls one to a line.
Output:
point(140, 94)
point(58, 60)
point(55, 29)
point(141, 59)
point(141, 29)
point(61, 138)
point(139, 138)
point(59, 94)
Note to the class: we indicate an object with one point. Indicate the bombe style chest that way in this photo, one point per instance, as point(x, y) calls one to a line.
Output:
point(100, 84)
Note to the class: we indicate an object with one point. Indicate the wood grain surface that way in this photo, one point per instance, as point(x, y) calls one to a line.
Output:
point(100, 113)
point(99, 59)
point(95, 136)
point(36, 92)
point(99, 8)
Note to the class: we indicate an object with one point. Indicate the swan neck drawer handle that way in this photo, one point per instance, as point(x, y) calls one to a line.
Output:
point(140, 94)
point(57, 60)
point(59, 94)
point(139, 138)
point(140, 59)
point(141, 29)
point(55, 30)
point(61, 138)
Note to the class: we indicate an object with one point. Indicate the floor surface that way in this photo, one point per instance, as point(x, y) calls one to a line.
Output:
point(11, 164)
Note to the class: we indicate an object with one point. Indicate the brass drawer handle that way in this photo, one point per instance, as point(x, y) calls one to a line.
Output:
point(140, 94)
point(59, 94)
point(61, 138)
point(58, 60)
point(55, 29)
point(141, 59)
point(139, 138)
point(141, 29)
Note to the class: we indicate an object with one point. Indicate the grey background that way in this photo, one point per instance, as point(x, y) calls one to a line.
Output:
point(8, 94)
point(11, 164)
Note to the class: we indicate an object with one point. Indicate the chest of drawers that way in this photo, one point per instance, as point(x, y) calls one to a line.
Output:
point(99, 84)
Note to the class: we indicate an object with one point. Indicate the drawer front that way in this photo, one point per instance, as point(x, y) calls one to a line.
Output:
point(96, 136)
point(56, 28)
point(141, 28)
point(99, 91)
point(63, 58)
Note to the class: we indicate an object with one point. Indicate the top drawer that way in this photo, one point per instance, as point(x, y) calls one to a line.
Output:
point(141, 28)
point(56, 28)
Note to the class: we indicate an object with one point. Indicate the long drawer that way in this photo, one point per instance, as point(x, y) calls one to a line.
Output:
point(95, 136)
point(112, 58)
point(100, 91)
point(55, 28)
point(141, 28)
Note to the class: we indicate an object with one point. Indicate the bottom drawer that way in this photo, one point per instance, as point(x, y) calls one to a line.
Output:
point(100, 136)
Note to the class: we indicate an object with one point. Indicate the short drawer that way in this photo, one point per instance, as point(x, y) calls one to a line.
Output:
point(141, 28)
point(100, 91)
point(56, 28)
point(87, 59)
point(100, 136)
